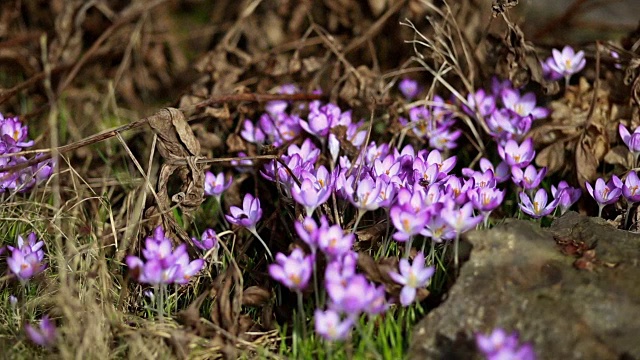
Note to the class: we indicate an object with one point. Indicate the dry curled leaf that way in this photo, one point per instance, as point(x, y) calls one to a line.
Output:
point(235, 144)
point(589, 151)
point(620, 155)
point(180, 150)
point(256, 296)
point(552, 157)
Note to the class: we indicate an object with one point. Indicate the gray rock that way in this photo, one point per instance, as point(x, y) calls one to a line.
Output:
point(568, 301)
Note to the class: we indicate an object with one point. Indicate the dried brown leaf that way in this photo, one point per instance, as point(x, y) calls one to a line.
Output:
point(207, 139)
point(235, 144)
point(256, 296)
point(590, 149)
point(553, 157)
point(368, 265)
point(620, 155)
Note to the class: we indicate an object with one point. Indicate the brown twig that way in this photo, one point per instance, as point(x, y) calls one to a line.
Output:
point(216, 99)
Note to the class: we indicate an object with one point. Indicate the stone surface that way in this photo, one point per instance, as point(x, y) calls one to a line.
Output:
point(569, 301)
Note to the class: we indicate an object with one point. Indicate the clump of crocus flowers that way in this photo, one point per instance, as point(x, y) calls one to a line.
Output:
point(14, 138)
point(27, 258)
point(416, 188)
point(163, 265)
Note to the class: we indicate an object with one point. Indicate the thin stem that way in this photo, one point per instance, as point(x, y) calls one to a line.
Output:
point(407, 250)
point(355, 225)
point(224, 220)
point(432, 252)
point(255, 233)
point(486, 219)
point(600, 207)
point(303, 324)
point(456, 260)
point(316, 289)
point(160, 304)
point(628, 217)
point(386, 240)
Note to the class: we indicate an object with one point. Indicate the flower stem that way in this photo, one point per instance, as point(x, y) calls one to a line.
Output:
point(355, 225)
point(316, 289)
point(600, 207)
point(456, 260)
point(160, 304)
point(407, 250)
point(302, 316)
point(386, 240)
point(255, 233)
point(628, 217)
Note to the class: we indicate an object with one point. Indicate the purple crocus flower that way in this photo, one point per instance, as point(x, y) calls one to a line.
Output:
point(351, 296)
point(484, 179)
point(365, 195)
point(501, 173)
point(329, 325)
point(528, 179)
point(567, 62)
point(438, 229)
point(26, 259)
point(342, 269)
point(151, 272)
point(294, 271)
point(308, 151)
point(14, 134)
point(386, 168)
point(457, 190)
point(425, 173)
point(314, 189)
point(481, 102)
point(333, 241)
point(307, 230)
point(408, 222)
point(377, 301)
point(566, 194)
point(186, 269)
point(444, 165)
point(517, 155)
point(249, 215)
point(539, 207)
point(322, 119)
point(276, 107)
point(547, 71)
point(605, 194)
point(159, 247)
point(163, 264)
point(460, 219)
point(631, 187)
point(209, 240)
point(412, 277)
point(215, 185)
point(44, 335)
point(500, 346)
point(409, 88)
point(252, 133)
point(524, 105)
point(443, 138)
point(486, 199)
point(631, 140)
